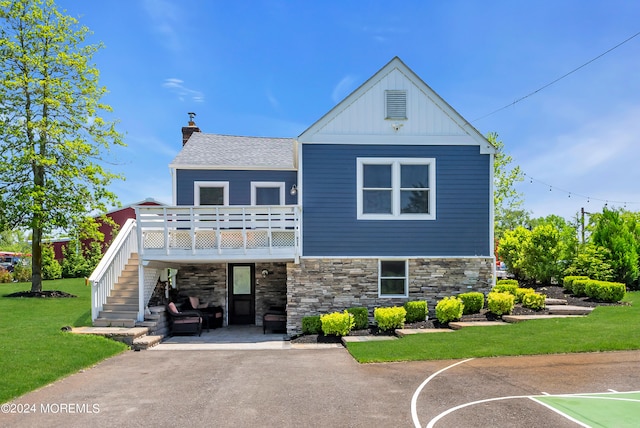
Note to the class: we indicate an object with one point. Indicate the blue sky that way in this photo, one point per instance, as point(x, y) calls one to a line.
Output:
point(272, 68)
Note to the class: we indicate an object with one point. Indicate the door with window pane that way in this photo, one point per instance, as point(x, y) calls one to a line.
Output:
point(241, 294)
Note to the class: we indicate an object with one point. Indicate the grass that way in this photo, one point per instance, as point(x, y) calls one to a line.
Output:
point(607, 328)
point(33, 350)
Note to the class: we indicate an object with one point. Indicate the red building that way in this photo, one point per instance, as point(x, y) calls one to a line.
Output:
point(119, 216)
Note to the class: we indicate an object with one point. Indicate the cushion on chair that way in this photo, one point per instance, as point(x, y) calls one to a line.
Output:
point(172, 307)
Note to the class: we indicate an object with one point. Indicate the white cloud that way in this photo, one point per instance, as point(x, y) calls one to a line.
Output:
point(184, 93)
point(592, 166)
point(343, 88)
point(165, 17)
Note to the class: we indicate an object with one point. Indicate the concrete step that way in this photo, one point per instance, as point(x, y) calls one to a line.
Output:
point(119, 307)
point(145, 342)
point(148, 324)
point(118, 314)
point(519, 318)
point(462, 324)
point(118, 300)
point(104, 322)
point(568, 310)
point(551, 301)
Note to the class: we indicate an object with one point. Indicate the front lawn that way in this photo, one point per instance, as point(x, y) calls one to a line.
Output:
point(611, 328)
point(33, 350)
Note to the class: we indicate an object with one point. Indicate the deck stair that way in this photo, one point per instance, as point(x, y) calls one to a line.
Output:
point(121, 309)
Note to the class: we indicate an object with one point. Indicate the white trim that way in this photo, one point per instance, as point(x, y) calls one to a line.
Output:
point(406, 278)
point(229, 167)
point(197, 185)
point(268, 184)
point(395, 164)
point(411, 257)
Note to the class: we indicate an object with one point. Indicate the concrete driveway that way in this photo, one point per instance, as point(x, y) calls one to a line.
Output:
point(313, 388)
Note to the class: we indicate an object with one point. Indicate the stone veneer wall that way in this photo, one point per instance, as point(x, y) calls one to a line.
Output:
point(320, 286)
point(209, 284)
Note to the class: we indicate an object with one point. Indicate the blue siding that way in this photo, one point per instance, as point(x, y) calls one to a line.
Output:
point(239, 184)
point(330, 227)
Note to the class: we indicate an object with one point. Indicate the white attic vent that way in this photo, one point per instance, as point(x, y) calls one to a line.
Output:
point(396, 102)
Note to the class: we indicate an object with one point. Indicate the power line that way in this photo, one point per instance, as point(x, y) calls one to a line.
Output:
point(558, 79)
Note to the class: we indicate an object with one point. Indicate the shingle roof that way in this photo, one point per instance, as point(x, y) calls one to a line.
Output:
point(228, 151)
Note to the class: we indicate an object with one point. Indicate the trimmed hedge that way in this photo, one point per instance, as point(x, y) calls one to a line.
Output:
point(520, 292)
point(567, 282)
point(578, 287)
point(449, 309)
point(472, 302)
point(390, 318)
point(504, 287)
point(311, 324)
point(500, 303)
point(416, 311)
point(605, 291)
point(360, 317)
point(337, 323)
point(535, 301)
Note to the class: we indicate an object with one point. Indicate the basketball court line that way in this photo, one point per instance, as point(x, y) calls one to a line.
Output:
point(547, 401)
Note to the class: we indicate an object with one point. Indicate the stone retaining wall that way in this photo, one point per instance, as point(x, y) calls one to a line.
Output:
point(320, 286)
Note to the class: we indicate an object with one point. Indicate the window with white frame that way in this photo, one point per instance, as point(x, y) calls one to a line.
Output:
point(267, 193)
point(211, 193)
point(393, 278)
point(396, 188)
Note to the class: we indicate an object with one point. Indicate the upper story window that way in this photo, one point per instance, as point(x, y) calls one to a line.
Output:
point(267, 193)
point(396, 188)
point(211, 193)
point(396, 104)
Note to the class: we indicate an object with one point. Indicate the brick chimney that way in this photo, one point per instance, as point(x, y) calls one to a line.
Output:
point(190, 129)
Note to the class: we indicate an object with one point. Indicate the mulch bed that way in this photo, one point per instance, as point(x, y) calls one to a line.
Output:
point(553, 291)
point(41, 294)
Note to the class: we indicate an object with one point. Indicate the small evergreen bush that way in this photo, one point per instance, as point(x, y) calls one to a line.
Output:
point(503, 286)
point(311, 324)
point(567, 282)
point(338, 323)
point(472, 302)
point(605, 291)
point(500, 303)
point(416, 311)
point(520, 292)
point(360, 317)
point(533, 301)
point(390, 318)
point(22, 272)
point(578, 287)
point(5, 276)
point(449, 309)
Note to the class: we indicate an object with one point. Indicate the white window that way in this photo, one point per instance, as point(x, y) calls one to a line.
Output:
point(267, 193)
point(211, 193)
point(396, 188)
point(396, 104)
point(393, 278)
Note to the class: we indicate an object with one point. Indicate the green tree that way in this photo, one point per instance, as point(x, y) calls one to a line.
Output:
point(73, 261)
point(591, 261)
point(511, 250)
point(543, 254)
point(614, 231)
point(506, 200)
point(52, 132)
point(51, 269)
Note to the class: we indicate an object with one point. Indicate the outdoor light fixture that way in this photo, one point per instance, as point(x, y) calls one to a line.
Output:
point(294, 190)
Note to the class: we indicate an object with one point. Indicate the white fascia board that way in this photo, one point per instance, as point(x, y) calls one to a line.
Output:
point(417, 140)
point(230, 168)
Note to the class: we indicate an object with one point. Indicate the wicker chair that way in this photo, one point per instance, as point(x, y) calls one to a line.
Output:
point(184, 322)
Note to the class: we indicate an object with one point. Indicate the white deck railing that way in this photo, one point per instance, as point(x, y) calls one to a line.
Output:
point(218, 232)
point(111, 266)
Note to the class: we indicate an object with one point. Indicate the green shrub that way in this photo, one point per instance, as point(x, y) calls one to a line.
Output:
point(533, 301)
point(500, 303)
point(507, 282)
point(416, 311)
point(505, 287)
point(22, 273)
point(472, 302)
point(51, 269)
point(390, 318)
point(605, 291)
point(567, 282)
point(520, 292)
point(360, 317)
point(5, 276)
point(311, 324)
point(449, 309)
point(338, 323)
point(578, 287)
